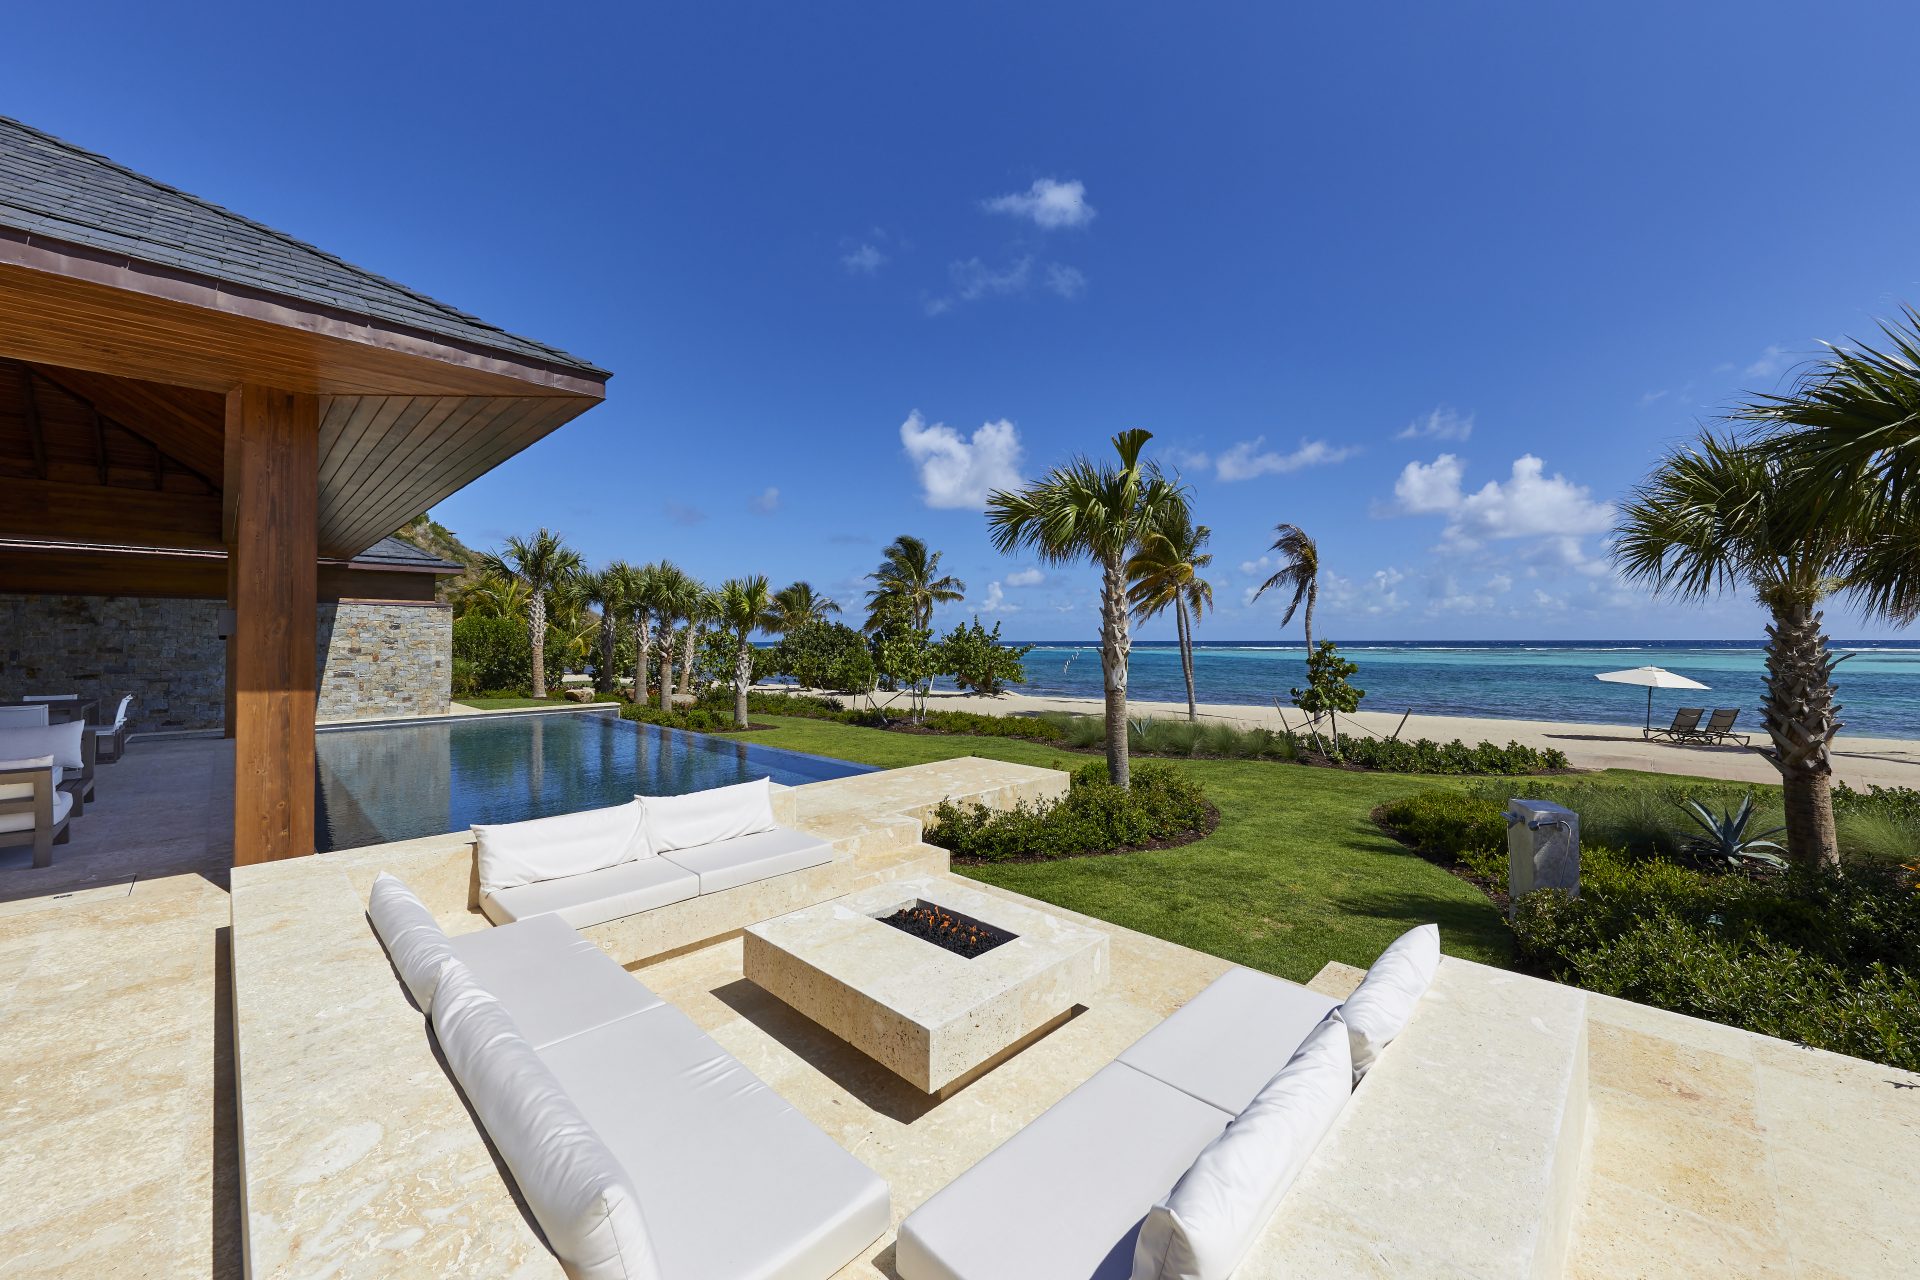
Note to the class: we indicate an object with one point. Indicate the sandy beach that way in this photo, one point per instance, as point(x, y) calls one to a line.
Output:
point(1858, 762)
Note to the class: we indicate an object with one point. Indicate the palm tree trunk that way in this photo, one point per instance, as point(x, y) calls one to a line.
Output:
point(642, 638)
point(666, 671)
point(686, 659)
point(1799, 714)
point(1186, 654)
point(537, 628)
point(742, 677)
point(1306, 624)
point(1115, 644)
point(609, 633)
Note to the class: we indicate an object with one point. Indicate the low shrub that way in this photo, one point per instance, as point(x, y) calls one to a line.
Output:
point(808, 705)
point(1882, 823)
point(1425, 756)
point(697, 719)
point(1163, 807)
point(1456, 825)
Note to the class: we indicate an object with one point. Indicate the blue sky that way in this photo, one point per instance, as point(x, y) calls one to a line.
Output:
point(1435, 282)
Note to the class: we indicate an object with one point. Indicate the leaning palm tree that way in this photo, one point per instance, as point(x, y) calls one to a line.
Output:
point(1848, 432)
point(1717, 515)
point(1299, 572)
point(796, 605)
point(539, 563)
point(909, 575)
point(1165, 573)
point(1101, 513)
point(675, 598)
point(743, 607)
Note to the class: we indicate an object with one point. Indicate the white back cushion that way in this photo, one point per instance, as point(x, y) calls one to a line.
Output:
point(576, 1188)
point(22, 717)
point(1206, 1224)
point(64, 742)
point(710, 816)
point(1378, 1009)
point(569, 844)
point(415, 942)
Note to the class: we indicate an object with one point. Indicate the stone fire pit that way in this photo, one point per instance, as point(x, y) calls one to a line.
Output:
point(934, 1017)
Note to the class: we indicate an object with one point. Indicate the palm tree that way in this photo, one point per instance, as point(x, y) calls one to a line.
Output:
point(1848, 432)
point(706, 607)
point(675, 597)
point(798, 604)
point(603, 591)
point(1166, 572)
point(909, 575)
point(1102, 514)
point(539, 563)
point(1717, 515)
point(491, 595)
point(1300, 573)
point(744, 607)
point(631, 587)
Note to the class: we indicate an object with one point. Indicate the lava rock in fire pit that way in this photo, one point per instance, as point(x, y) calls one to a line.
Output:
point(962, 935)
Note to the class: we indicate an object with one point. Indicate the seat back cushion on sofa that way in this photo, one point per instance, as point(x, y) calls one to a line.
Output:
point(710, 816)
point(580, 1194)
point(415, 942)
point(1206, 1224)
point(569, 844)
point(1223, 1045)
point(1378, 1009)
point(552, 982)
point(66, 743)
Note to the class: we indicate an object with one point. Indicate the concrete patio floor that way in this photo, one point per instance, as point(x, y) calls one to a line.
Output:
point(1712, 1151)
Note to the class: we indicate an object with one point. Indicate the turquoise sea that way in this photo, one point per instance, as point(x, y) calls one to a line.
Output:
point(1879, 681)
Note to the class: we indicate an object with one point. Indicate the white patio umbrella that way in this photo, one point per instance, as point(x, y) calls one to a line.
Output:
point(1653, 678)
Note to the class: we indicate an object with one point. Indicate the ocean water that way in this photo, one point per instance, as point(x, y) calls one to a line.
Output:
point(1879, 682)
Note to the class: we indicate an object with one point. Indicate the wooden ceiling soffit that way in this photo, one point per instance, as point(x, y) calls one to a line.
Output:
point(185, 423)
point(81, 308)
point(45, 509)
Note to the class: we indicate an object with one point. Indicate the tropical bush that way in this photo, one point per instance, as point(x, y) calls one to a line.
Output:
point(700, 718)
point(826, 655)
point(1881, 823)
point(1810, 955)
point(979, 662)
point(1163, 807)
point(491, 652)
point(1327, 689)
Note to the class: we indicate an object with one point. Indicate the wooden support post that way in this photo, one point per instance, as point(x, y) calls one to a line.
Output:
point(273, 437)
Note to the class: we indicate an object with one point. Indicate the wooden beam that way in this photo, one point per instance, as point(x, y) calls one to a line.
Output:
point(183, 422)
point(273, 557)
point(49, 510)
point(100, 443)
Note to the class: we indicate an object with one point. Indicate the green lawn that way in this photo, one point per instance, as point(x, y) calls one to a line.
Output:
point(1295, 876)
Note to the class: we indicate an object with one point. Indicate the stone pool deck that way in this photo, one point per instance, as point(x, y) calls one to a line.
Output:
point(1709, 1151)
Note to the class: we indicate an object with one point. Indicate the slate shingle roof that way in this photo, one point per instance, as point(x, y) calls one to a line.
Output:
point(398, 554)
point(53, 188)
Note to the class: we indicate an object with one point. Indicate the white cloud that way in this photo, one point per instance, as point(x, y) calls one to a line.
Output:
point(1068, 282)
point(1190, 459)
point(1529, 504)
point(995, 601)
point(1428, 487)
point(1247, 460)
point(863, 259)
point(974, 279)
point(959, 473)
point(1440, 424)
point(1500, 583)
point(1026, 578)
point(766, 501)
point(1774, 359)
point(1050, 204)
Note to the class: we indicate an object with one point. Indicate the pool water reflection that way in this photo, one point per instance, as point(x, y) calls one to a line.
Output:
point(397, 782)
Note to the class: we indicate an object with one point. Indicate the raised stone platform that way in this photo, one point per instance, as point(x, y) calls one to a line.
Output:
point(932, 1017)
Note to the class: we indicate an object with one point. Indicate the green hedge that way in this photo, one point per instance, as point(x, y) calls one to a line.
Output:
point(696, 719)
point(1820, 958)
point(1162, 808)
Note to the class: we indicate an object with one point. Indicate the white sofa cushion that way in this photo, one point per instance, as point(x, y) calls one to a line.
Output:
point(554, 983)
point(598, 896)
point(1378, 1009)
point(582, 1197)
point(64, 742)
point(1063, 1197)
point(710, 816)
point(62, 801)
point(1206, 1224)
point(1223, 1045)
point(745, 859)
point(569, 844)
point(34, 717)
point(415, 942)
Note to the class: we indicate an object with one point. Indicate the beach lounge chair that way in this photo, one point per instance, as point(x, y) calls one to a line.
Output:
point(1720, 727)
point(33, 808)
point(1685, 721)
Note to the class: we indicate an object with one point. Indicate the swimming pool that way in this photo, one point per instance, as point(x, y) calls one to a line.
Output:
point(399, 781)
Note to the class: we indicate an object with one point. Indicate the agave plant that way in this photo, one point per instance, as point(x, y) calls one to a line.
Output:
point(1724, 838)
